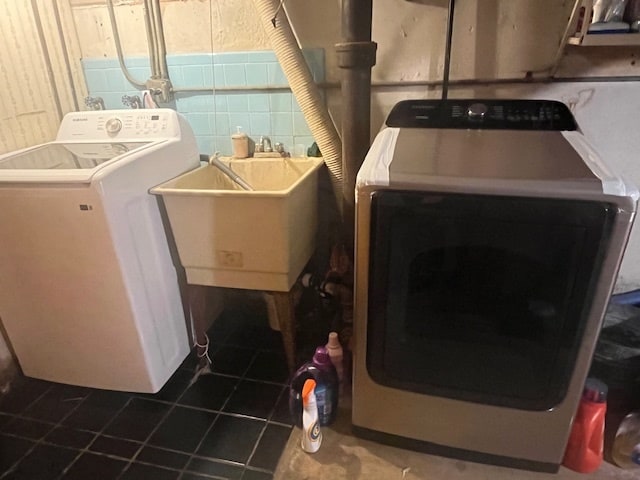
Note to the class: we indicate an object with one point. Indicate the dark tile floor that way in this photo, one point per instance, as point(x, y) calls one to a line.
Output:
point(232, 424)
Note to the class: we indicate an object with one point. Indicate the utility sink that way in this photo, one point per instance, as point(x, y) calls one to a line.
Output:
point(230, 237)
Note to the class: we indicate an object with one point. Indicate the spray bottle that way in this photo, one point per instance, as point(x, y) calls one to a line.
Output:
point(311, 434)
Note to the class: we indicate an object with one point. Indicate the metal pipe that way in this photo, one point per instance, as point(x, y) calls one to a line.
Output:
point(116, 39)
point(565, 36)
point(420, 83)
point(151, 44)
point(215, 161)
point(47, 58)
point(356, 55)
point(447, 50)
point(65, 55)
point(160, 42)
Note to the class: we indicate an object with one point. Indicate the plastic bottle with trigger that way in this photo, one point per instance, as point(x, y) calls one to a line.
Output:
point(311, 434)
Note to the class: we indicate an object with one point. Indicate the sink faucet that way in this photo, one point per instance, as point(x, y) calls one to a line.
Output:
point(132, 101)
point(94, 103)
point(265, 144)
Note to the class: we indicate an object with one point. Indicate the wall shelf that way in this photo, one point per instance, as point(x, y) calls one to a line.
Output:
point(578, 30)
point(605, 39)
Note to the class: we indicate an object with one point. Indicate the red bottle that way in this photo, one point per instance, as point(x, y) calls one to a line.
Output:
point(586, 441)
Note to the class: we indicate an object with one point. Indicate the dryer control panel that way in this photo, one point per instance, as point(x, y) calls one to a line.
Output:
point(482, 114)
point(120, 125)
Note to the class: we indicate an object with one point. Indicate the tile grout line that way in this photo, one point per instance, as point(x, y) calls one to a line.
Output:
point(224, 404)
point(92, 441)
point(145, 443)
point(172, 407)
point(266, 425)
point(40, 440)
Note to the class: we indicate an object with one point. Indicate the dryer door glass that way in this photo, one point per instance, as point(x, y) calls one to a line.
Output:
point(481, 298)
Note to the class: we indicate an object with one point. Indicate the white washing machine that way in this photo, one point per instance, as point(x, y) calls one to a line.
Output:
point(89, 293)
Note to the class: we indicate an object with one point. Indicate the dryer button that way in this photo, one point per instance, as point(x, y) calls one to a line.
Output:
point(477, 111)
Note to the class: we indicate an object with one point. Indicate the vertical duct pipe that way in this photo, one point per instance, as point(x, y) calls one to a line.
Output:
point(356, 56)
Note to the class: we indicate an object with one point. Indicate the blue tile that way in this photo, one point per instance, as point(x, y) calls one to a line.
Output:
point(307, 141)
point(193, 75)
point(220, 103)
point(218, 76)
point(177, 77)
point(239, 120)
point(187, 102)
point(96, 80)
point(296, 105)
point(257, 74)
point(112, 100)
point(238, 102)
point(140, 74)
point(199, 123)
point(275, 75)
point(234, 76)
point(280, 102)
point(135, 62)
point(190, 59)
point(221, 124)
point(207, 72)
point(222, 144)
point(260, 124)
point(300, 126)
point(231, 58)
point(282, 123)
point(205, 144)
point(285, 140)
point(258, 102)
point(262, 56)
point(115, 80)
point(315, 60)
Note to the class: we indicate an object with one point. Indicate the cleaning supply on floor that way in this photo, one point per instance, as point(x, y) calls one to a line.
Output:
point(337, 357)
point(585, 447)
point(324, 373)
point(311, 434)
point(626, 446)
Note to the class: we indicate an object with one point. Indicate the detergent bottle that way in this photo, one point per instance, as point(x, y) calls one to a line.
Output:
point(584, 452)
point(324, 373)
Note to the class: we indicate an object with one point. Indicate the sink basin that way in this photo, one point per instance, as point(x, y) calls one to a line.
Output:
point(230, 237)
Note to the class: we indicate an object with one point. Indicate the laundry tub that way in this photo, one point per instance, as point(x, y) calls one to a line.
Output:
point(230, 237)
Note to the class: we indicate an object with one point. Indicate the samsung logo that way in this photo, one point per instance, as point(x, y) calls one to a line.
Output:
point(80, 119)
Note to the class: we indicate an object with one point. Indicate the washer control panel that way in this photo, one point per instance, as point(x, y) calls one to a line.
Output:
point(140, 124)
point(121, 125)
point(482, 114)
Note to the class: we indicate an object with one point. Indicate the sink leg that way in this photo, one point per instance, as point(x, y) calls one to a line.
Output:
point(285, 308)
point(205, 305)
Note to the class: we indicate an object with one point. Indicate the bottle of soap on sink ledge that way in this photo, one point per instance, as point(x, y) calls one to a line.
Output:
point(240, 142)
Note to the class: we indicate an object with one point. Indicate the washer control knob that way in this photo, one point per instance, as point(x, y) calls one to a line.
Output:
point(477, 111)
point(113, 125)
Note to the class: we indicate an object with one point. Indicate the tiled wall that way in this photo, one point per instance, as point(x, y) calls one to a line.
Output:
point(214, 115)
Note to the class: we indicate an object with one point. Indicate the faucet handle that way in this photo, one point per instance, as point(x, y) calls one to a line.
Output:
point(132, 101)
point(94, 103)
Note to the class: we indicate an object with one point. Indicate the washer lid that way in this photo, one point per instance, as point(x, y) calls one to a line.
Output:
point(76, 162)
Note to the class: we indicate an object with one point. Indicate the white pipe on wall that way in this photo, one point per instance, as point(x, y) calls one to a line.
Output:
point(305, 90)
